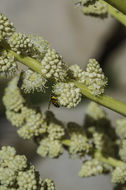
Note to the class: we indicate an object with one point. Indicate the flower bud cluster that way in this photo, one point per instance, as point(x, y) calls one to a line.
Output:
point(34, 126)
point(8, 64)
point(95, 78)
point(96, 9)
point(49, 184)
point(51, 148)
point(91, 168)
point(96, 112)
point(32, 81)
point(6, 27)
point(30, 122)
point(121, 128)
point(68, 94)
point(51, 143)
point(21, 44)
point(53, 65)
point(17, 173)
point(78, 73)
point(80, 144)
point(119, 174)
point(13, 99)
point(40, 45)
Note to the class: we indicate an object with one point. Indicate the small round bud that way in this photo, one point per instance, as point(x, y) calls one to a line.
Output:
point(6, 27)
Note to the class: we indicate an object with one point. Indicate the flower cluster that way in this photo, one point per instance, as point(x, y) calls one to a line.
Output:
point(51, 143)
point(6, 27)
point(21, 44)
point(91, 168)
point(53, 65)
point(13, 100)
point(40, 45)
point(17, 173)
point(95, 78)
point(8, 64)
point(29, 122)
point(32, 81)
point(68, 94)
point(80, 144)
point(119, 174)
point(77, 73)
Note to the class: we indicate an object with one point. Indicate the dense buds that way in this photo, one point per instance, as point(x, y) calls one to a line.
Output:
point(95, 78)
point(13, 99)
point(119, 174)
point(68, 94)
point(40, 46)
point(51, 148)
point(80, 144)
point(17, 173)
point(53, 66)
point(34, 126)
point(32, 81)
point(21, 44)
point(6, 27)
point(91, 168)
point(8, 64)
point(77, 73)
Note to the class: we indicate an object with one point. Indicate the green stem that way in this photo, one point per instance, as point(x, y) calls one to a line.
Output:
point(28, 61)
point(108, 160)
point(104, 100)
point(107, 101)
point(115, 13)
point(118, 4)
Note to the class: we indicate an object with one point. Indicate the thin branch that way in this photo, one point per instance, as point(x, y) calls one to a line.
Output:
point(115, 13)
point(118, 4)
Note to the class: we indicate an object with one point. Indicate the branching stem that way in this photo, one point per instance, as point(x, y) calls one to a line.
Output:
point(106, 101)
